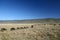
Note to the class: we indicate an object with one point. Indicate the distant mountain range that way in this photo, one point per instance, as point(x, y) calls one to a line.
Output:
point(45, 20)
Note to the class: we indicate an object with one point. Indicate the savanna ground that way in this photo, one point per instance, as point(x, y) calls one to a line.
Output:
point(37, 32)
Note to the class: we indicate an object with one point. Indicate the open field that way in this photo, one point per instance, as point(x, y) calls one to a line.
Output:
point(30, 31)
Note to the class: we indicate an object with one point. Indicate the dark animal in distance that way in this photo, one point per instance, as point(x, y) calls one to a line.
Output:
point(18, 28)
point(21, 27)
point(12, 29)
point(25, 27)
point(54, 24)
point(31, 26)
point(3, 29)
point(59, 24)
point(44, 24)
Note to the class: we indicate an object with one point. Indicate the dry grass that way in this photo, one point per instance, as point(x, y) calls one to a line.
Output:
point(38, 32)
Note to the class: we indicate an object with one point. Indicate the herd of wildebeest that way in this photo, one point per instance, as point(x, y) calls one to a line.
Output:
point(11, 29)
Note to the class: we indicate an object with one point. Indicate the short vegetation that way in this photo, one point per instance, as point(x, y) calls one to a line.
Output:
point(31, 32)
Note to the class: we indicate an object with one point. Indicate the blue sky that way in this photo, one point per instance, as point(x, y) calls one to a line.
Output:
point(29, 9)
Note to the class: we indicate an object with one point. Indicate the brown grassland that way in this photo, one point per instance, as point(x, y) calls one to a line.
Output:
point(28, 32)
point(40, 29)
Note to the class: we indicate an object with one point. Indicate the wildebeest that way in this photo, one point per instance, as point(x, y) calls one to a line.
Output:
point(54, 24)
point(59, 24)
point(25, 27)
point(18, 28)
point(44, 24)
point(50, 24)
point(21, 27)
point(3, 29)
point(31, 26)
point(12, 29)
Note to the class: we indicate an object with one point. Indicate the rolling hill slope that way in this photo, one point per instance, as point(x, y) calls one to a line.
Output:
point(46, 20)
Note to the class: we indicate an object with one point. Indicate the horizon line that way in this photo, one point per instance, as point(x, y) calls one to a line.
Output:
point(29, 19)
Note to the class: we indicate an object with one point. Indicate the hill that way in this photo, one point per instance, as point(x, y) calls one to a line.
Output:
point(46, 20)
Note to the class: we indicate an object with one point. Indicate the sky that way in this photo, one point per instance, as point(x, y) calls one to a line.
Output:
point(29, 9)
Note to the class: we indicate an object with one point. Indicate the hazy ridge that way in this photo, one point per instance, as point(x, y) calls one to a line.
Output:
point(45, 20)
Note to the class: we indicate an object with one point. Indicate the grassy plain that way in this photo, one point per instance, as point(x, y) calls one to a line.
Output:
point(40, 31)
